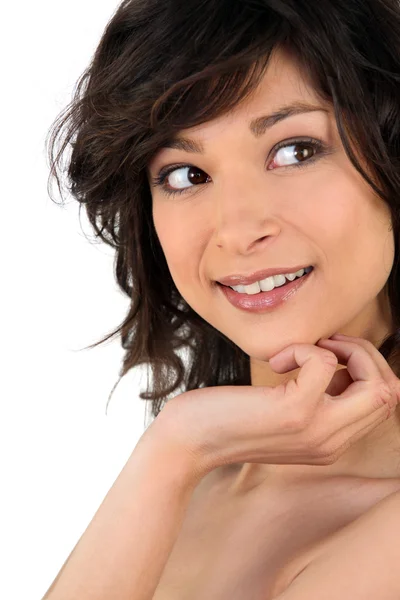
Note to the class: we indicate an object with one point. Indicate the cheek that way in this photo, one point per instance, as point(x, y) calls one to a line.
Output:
point(373, 240)
point(177, 242)
point(350, 227)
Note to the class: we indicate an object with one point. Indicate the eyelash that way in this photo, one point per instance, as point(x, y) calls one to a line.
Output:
point(320, 150)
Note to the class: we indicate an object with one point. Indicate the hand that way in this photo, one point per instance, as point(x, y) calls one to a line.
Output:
point(310, 420)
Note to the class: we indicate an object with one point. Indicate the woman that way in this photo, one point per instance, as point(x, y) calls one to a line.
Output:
point(218, 144)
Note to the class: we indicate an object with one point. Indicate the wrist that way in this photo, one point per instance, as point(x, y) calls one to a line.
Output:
point(178, 451)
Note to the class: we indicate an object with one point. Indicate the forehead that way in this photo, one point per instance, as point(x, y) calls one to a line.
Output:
point(284, 81)
point(283, 85)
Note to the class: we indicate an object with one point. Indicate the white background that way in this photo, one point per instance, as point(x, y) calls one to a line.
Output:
point(60, 451)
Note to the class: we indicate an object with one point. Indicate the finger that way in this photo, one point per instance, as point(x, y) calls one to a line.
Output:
point(316, 368)
point(356, 404)
point(385, 369)
point(361, 365)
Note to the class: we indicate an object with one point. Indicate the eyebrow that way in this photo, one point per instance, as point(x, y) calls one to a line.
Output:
point(257, 126)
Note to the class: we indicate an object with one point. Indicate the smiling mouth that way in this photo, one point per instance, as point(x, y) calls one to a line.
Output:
point(287, 282)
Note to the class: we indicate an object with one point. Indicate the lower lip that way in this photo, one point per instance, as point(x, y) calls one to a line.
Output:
point(265, 301)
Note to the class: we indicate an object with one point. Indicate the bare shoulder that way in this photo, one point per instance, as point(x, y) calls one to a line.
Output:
point(360, 562)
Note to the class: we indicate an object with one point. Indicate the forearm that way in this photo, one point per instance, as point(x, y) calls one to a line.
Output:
point(122, 553)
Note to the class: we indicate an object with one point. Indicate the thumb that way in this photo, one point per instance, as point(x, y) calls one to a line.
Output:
point(317, 368)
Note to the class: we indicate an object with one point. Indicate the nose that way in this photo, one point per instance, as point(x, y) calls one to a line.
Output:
point(245, 216)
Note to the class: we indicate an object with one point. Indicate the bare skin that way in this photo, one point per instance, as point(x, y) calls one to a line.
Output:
point(253, 546)
point(251, 527)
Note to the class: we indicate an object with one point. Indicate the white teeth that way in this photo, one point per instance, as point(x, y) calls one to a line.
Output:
point(278, 280)
point(267, 284)
point(253, 288)
point(291, 276)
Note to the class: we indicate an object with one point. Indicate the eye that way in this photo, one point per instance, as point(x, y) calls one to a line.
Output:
point(304, 151)
point(177, 179)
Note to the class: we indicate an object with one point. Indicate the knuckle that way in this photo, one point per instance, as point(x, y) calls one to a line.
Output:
point(297, 420)
point(328, 357)
point(292, 424)
point(397, 390)
point(383, 391)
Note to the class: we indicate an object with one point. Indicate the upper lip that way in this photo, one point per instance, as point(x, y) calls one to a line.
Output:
point(258, 275)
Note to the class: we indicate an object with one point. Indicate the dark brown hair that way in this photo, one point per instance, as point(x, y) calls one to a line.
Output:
point(165, 65)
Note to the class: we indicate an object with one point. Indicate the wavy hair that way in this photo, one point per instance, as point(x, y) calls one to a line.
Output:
point(162, 66)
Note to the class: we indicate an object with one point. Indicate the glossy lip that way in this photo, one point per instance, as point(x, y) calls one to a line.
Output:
point(259, 275)
point(265, 301)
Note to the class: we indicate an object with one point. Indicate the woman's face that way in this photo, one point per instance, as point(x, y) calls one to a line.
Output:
point(255, 208)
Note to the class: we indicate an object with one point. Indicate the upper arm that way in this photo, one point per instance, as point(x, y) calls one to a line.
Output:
point(362, 561)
